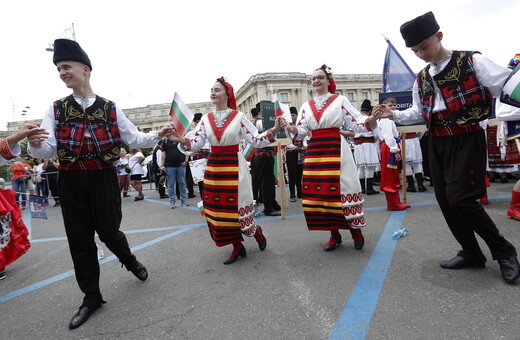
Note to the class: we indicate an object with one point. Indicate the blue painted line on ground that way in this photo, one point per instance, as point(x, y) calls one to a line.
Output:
point(354, 321)
point(69, 273)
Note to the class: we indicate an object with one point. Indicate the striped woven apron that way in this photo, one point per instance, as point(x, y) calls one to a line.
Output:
point(327, 202)
point(227, 216)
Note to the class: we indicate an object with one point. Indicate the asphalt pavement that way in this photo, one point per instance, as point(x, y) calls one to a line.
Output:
point(391, 289)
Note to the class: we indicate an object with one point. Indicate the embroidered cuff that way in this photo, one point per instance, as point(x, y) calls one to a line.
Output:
point(5, 151)
point(187, 143)
point(270, 136)
point(368, 125)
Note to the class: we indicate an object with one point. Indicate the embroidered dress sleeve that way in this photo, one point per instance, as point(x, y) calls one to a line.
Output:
point(412, 114)
point(490, 75)
point(387, 133)
point(48, 146)
point(252, 136)
point(196, 142)
point(353, 119)
point(132, 136)
point(6, 152)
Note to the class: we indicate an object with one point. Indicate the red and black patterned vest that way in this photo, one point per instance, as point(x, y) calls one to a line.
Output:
point(467, 101)
point(100, 119)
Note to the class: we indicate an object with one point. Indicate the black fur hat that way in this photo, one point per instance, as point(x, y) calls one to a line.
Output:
point(366, 105)
point(419, 29)
point(69, 50)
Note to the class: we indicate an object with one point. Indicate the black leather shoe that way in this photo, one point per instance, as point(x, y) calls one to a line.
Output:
point(262, 244)
point(191, 196)
point(459, 262)
point(272, 213)
point(235, 255)
point(140, 271)
point(371, 192)
point(510, 269)
point(81, 317)
point(164, 196)
point(329, 247)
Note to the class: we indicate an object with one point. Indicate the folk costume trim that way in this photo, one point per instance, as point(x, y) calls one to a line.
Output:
point(220, 131)
point(319, 112)
point(5, 151)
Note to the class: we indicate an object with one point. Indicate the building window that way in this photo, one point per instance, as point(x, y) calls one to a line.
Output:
point(197, 111)
point(284, 97)
point(208, 109)
point(364, 95)
point(164, 113)
point(350, 96)
point(149, 115)
point(137, 116)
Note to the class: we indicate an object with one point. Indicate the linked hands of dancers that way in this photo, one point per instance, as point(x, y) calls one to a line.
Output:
point(279, 123)
point(34, 133)
point(382, 111)
point(165, 131)
point(174, 135)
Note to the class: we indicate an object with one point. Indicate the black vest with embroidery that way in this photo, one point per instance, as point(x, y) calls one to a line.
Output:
point(467, 101)
point(100, 119)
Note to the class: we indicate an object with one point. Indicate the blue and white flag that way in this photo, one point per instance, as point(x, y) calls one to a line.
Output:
point(397, 75)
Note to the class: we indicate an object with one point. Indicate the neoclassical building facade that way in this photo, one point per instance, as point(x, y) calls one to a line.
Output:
point(291, 88)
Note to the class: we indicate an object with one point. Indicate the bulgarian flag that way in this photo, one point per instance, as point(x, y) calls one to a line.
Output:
point(281, 109)
point(181, 115)
point(248, 152)
point(200, 205)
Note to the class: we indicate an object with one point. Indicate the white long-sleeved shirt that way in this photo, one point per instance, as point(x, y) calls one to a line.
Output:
point(489, 74)
point(129, 133)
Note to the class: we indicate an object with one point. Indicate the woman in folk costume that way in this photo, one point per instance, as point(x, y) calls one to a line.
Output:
point(14, 237)
point(509, 135)
point(332, 197)
point(228, 194)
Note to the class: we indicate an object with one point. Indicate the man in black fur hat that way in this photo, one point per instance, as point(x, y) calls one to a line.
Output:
point(366, 154)
point(294, 155)
point(86, 132)
point(452, 94)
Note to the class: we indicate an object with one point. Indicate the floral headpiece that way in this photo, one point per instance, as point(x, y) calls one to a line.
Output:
point(332, 84)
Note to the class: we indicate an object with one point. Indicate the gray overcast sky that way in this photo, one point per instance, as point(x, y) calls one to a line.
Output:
point(144, 51)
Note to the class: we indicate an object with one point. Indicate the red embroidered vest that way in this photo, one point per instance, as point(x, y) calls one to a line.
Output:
point(100, 119)
point(467, 101)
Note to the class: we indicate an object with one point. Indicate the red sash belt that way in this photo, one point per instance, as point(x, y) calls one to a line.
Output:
point(361, 140)
point(224, 149)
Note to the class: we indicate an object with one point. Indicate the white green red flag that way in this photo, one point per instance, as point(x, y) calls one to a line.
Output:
point(181, 115)
point(248, 152)
point(281, 109)
point(200, 205)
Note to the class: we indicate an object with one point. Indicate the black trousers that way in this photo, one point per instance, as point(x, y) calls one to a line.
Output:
point(295, 172)
point(264, 170)
point(255, 179)
point(189, 180)
point(158, 185)
point(458, 167)
point(90, 203)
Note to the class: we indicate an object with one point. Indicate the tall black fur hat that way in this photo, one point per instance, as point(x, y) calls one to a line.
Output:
point(292, 109)
point(69, 50)
point(366, 105)
point(418, 29)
